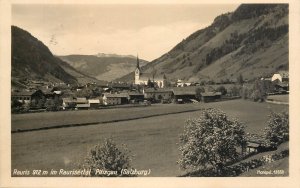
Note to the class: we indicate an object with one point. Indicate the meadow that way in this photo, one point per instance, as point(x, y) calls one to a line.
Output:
point(152, 140)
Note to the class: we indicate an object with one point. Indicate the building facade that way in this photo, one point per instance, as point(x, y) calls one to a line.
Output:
point(143, 78)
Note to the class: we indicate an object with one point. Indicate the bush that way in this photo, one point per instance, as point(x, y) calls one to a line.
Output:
point(108, 157)
point(277, 130)
point(210, 141)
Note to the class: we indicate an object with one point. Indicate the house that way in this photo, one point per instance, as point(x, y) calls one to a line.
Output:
point(115, 98)
point(94, 103)
point(136, 97)
point(27, 96)
point(256, 143)
point(81, 103)
point(83, 106)
point(158, 94)
point(68, 103)
point(141, 78)
point(184, 95)
point(181, 83)
point(211, 96)
point(282, 76)
point(81, 100)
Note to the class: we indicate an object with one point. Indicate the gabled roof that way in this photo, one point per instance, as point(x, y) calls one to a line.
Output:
point(83, 105)
point(211, 94)
point(116, 95)
point(81, 100)
point(158, 90)
point(135, 93)
point(147, 76)
point(94, 101)
point(184, 91)
point(68, 100)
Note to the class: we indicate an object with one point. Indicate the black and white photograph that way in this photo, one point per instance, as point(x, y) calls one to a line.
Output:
point(145, 90)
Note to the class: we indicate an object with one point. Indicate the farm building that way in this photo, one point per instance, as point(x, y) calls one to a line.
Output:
point(211, 96)
point(81, 100)
point(158, 94)
point(27, 96)
point(184, 95)
point(94, 103)
point(256, 143)
point(68, 103)
point(82, 103)
point(136, 97)
point(115, 98)
point(83, 106)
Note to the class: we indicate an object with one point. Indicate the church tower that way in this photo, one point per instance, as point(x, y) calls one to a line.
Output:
point(137, 71)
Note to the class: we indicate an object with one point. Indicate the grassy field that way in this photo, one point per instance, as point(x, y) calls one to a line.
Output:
point(152, 140)
point(279, 98)
point(52, 119)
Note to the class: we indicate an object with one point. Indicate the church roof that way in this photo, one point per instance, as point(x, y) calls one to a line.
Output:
point(147, 76)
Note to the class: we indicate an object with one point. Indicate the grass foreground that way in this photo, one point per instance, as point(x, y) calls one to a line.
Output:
point(152, 140)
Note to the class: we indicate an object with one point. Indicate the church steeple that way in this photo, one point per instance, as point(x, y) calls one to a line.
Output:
point(137, 71)
point(137, 62)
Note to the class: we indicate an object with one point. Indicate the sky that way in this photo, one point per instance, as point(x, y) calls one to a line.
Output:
point(149, 30)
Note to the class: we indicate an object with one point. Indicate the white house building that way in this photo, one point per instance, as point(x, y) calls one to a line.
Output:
point(282, 76)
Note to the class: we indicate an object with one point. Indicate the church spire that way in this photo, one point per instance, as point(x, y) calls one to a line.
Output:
point(137, 62)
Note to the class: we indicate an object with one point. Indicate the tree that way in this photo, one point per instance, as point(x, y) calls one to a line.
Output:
point(150, 84)
point(199, 90)
point(259, 91)
point(234, 91)
point(16, 104)
point(277, 130)
point(240, 79)
point(245, 92)
point(108, 157)
point(210, 141)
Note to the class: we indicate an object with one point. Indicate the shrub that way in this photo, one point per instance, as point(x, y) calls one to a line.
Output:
point(277, 130)
point(210, 141)
point(108, 157)
point(199, 91)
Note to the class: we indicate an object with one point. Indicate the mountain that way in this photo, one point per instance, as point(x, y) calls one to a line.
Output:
point(32, 60)
point(103, 66)
point(251, 41)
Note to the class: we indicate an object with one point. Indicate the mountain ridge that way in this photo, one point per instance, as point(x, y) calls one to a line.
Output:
point(104, 66)
point(33, 60)
point(252, 41)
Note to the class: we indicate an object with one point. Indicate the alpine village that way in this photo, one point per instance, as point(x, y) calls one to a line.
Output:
point(237, 67)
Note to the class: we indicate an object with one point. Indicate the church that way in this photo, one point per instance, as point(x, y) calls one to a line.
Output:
point(143, 78)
